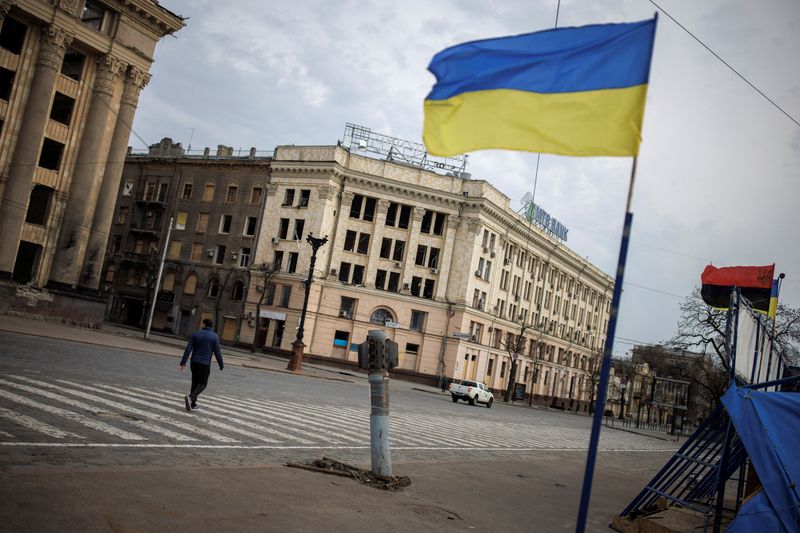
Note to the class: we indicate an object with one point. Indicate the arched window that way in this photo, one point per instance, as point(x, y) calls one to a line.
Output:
point(169, 282)
point(213, 288)
point(237, 291)
point(190, 285)
point(208, 191)
point(110, 271)
point(380, 316)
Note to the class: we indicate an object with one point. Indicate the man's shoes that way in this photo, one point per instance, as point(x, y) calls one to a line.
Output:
point(194, 406)
point(188, 402)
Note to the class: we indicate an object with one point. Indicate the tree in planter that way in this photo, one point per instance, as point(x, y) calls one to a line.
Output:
point(515, 346)
point(262, 275)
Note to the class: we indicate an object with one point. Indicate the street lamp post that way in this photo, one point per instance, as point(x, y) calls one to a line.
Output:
point(296, 361)
point(622, 387)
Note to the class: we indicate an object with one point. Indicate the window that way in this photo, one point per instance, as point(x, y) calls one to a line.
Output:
point(94, 15)
point(399, 250)
point(299, 224)
point(237, 291)
point(341, 338)
point(418, 319)
point(244, 257)
point(163, 189)
point(421, 253)
point(208, 191)
point(255, 195)
point(150, 192)
point(305, 197)
point(386, 248)
point(6, 83)
point(230, 197)
point(363, 208)
point(187, 191)
point(412, 349)
point(225, 224)
point(391, 214)
point(283, 231)
point(38, 204)
point(344, 272)
point(110, 271)
point(358, 275)
point(197, 252)
point(438, 224)
point(72, 65)
point(433, 258)
point(288, 197)
point(428, 291)
point(219, 256)
point(190, 285)
point(427, 218)
point(213, 288)
point(350, 241)
point(269, 299)
point(363, 243)
point(250, 226)
point(381, 316)
point(347, 307)
point(286, 294)
point(61, 111)
point(291, 266)
point(127, 188)
point(12, 36)
point(175, 249)
point(50, 157)
point(416, 286)
point(380, 279)
point(202, 223)
point(169, 282)
point(489, 367)
point(122, 214)
point(405, 217)
point(394, 281)
point(277, 260)
point(180, 220)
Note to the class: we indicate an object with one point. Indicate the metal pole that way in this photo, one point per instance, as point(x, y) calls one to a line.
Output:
point(296, 361)
point(605, 367)
point(379, 414)
point(158, 280)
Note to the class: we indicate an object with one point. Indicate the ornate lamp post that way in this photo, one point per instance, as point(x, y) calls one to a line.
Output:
point(296, 361)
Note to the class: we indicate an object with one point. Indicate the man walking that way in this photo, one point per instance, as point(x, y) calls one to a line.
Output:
point(201, 344)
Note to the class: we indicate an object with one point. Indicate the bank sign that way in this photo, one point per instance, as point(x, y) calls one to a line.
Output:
point(534, 213)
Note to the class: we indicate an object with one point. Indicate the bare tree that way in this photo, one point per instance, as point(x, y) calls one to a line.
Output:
point(515, 346)
point(262, 276)
point(593, 365)
point(626, 370)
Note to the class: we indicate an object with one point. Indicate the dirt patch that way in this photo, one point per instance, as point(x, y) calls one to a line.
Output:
point(327, 465)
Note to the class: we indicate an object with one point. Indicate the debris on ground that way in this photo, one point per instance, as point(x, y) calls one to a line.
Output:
point(327, 465)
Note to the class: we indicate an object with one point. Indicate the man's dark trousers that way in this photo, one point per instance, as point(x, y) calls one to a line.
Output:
point(200, 375)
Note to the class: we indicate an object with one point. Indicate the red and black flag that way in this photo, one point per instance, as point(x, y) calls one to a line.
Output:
point(755, 283)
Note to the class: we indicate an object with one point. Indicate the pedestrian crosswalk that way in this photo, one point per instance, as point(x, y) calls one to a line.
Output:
point(37, 411)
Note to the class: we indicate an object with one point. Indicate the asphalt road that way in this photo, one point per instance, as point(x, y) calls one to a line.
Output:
point(66, 403)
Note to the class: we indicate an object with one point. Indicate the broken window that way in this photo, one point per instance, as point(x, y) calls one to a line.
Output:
point(38, 204)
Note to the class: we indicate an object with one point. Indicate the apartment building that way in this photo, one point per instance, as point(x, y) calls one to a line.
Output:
point(216, 202)
point(70, 77)
point(441, 263)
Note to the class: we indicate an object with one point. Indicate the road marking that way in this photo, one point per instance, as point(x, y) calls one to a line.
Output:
point(177, 423)
point(36, 425)
point(142, 424)
point(75, 417)
point(9, 435)
point(274, 447)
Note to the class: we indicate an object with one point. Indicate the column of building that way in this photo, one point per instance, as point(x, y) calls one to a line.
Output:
point(53, 44)
point(446, 259)
point(374, 254)
point(135, 80)
point(86, 180)
point(337, 245)
point(413, 242)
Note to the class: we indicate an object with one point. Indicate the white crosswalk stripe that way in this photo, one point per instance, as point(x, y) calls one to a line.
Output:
point(36, 425)
point(177, 423)
point(75, 417)
point(143, 424)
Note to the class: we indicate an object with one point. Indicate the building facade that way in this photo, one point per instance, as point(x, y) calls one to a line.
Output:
point(70, 76)
point(216, 203)
point(441, 263)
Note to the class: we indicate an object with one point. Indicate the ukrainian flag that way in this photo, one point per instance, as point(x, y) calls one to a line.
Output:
point(773, 300)
point(570, 91)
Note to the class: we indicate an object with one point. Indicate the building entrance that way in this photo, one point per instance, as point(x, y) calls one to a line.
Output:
point(27, 259)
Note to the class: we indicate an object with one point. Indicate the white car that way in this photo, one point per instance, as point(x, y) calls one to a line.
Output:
point(472, 392)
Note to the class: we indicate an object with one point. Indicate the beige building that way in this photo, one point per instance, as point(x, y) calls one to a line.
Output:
point(441, 263)
point(70, 76)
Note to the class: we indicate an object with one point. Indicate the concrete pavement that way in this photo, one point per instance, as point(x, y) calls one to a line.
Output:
point(539, 491)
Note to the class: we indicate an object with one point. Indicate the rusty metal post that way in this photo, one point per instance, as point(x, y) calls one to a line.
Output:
point(379, 413)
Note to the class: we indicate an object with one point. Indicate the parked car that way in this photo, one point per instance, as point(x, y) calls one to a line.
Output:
point(472, 392)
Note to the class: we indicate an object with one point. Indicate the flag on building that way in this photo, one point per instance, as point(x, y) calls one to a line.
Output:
point(773, 299)
point(571, 91)
point(755, 283)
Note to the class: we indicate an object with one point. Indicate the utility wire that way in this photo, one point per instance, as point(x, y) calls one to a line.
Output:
point(759, 91)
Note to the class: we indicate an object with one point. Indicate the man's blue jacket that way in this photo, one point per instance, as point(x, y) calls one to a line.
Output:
point(201, 344)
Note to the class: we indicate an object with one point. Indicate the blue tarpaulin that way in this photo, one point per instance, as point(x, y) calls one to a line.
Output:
point(768, 424)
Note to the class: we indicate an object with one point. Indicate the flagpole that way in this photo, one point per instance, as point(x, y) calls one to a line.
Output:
point(605, 368)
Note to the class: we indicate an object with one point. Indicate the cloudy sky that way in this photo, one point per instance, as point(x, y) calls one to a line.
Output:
point(717, 179)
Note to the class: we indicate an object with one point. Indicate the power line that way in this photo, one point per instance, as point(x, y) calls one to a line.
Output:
point(759, 91)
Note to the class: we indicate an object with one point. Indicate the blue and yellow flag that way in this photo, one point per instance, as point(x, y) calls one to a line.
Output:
point(570, 91)
point(773, 300)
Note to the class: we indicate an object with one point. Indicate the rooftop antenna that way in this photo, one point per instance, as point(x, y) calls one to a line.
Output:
point(189, 148)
